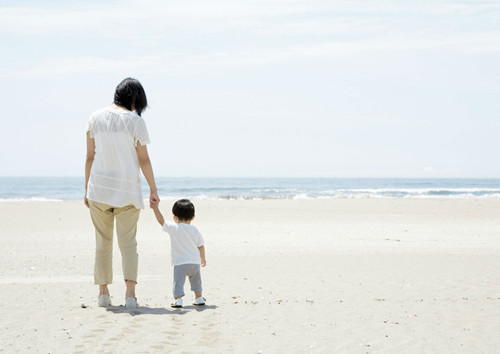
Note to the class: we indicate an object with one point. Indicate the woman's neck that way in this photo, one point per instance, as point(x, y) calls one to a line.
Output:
point(124, 108)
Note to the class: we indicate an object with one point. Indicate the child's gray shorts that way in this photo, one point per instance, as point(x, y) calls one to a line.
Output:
point(186, 270)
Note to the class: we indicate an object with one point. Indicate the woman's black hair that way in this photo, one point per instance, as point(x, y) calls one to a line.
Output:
point(130, 93)
point(183, 209)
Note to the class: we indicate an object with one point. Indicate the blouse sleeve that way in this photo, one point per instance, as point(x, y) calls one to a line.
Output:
point(90, 124)
point(141, 132)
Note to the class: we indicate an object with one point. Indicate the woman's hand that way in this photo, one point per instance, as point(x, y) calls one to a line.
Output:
point(86, 201)
point(154, 200)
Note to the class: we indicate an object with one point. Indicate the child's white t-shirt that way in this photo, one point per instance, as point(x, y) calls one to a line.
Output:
point(184, 242)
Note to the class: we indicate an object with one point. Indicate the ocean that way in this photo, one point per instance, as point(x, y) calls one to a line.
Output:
point(72, 188)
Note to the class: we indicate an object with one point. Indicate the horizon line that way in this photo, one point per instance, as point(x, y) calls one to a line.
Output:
point(289, 177)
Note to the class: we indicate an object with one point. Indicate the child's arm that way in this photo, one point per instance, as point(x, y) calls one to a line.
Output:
point(158, 215)
point(202, 256)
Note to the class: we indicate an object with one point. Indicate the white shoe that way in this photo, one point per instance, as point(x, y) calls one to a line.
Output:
point(131, 303)
point(199, 301)
point(104, 301)
point(177, 303)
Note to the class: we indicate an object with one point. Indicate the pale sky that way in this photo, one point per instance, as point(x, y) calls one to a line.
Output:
point(388, 88)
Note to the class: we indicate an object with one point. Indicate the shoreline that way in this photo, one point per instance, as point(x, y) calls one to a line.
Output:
point(204, 198)
point(198, 188)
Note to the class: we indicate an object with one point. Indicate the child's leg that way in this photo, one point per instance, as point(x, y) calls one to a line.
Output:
point(195, 280)
point(179, 280)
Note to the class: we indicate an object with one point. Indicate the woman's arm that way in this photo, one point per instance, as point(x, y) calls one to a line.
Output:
point(147, 171)
point(88, 164)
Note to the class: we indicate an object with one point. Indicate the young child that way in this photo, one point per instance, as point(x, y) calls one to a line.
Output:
point(187, 249)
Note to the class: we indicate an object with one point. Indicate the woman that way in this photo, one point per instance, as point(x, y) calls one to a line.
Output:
point(116, 149)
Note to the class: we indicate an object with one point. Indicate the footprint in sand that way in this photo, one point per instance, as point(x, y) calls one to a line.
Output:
point(209, 336)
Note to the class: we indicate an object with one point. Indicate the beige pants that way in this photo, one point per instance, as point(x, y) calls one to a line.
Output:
point(103, 216)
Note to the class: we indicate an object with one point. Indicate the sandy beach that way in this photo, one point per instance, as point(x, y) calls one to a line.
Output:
point(282, 276)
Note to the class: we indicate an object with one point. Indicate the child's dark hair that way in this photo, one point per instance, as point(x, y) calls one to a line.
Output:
point(183, 209)
point(130, 92)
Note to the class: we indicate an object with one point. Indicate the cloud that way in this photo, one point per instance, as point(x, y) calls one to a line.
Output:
point(215, 35)
point(212, 61)
point(124, 18)
point(270, 17)
point(66, 67)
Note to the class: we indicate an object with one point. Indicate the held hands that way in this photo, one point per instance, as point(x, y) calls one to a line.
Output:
point(154, 200)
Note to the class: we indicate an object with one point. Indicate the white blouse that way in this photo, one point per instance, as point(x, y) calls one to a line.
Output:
point(115, 175)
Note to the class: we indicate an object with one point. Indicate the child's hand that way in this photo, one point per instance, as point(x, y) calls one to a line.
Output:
point(203, 262)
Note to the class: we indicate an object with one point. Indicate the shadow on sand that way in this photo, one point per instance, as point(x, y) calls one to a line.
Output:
point(144, 310)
